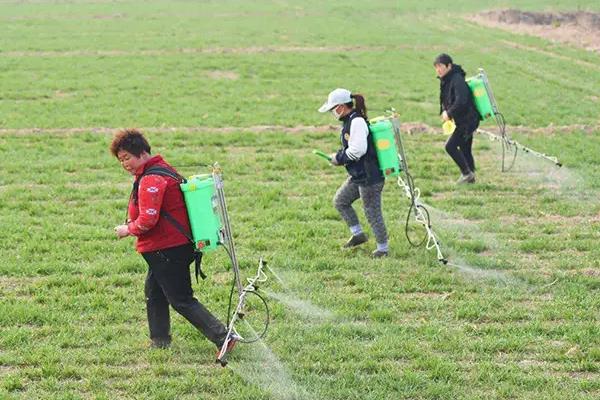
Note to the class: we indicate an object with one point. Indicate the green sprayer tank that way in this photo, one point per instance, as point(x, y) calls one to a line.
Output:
point(385, 146)
point(202, 208)
point(482, 95)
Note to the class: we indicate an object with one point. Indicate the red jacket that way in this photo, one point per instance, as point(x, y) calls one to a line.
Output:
point(156, 193)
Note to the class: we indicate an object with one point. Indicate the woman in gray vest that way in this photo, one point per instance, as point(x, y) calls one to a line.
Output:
point(365, 179)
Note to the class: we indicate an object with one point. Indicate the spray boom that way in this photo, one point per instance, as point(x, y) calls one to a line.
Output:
point(239, 313)
point(405, 181)
point(251, 287)
point(486, 105)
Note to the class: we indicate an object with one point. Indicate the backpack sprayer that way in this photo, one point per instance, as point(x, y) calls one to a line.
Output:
point(209, 221)
point(487, 108)
point(392, 163)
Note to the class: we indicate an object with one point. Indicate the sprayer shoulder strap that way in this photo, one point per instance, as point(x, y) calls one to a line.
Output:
point(164, 171)
point(156, 170)
point(197, 254)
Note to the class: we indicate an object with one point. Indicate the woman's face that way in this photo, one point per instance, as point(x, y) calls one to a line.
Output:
point(341, 110)
point(442, 70)
point(131, 163)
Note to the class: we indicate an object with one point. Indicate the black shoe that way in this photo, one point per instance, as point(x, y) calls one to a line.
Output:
point(357, 239)
point(379, 254)
point(160, 343)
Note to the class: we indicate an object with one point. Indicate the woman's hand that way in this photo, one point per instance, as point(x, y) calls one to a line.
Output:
point(445, 116)
point(121, 231)
point(332, 159)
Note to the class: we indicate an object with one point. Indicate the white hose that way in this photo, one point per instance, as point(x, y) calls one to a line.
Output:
point(423, 218)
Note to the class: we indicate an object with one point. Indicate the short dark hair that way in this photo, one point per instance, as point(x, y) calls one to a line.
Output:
point(130, 140)
point(443, 59)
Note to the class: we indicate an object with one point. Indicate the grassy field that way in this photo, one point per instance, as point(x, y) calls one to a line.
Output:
point(516, 317)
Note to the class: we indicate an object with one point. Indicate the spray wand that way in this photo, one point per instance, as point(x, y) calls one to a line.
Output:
point(322, 154)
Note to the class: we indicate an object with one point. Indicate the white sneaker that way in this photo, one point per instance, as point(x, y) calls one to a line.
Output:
point(468, 178)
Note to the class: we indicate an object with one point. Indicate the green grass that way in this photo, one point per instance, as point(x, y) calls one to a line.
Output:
point(75, 86)
point(519, 319)
point(72, 303)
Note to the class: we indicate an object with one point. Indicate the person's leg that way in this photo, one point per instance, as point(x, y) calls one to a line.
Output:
point(466, 149)
point(173, 276)
point(344, 197)
point(452, 148)
point(371, 197)
point(157, 309)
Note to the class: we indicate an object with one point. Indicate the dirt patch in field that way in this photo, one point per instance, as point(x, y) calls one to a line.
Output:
point(223, 75)
point(553, 54)
point(411, 128)
point(109, 16)
point(579, 28)
point(216, 50)
point(59, 94)
point(553, 129)
point(416, 127)
point(18, 284)
point(591, 272)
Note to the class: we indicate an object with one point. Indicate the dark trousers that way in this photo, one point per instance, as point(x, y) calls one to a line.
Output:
point(168, 282)
point(459, 147)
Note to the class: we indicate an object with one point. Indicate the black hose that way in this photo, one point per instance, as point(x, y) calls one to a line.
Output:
point(267, 319)
point(232, 288)
point(506, 144)
point(426, 214)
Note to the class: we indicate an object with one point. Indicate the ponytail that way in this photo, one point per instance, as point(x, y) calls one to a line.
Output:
point(359, 104)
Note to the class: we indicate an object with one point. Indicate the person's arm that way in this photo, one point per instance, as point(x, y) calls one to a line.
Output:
point(357, 144)
point(441, 100)
point(150, 197)
point(461, 97)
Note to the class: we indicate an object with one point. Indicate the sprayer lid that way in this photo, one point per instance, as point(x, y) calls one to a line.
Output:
point(335, 98)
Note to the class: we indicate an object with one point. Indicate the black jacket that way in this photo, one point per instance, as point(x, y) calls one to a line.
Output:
point(457, 100)
point(365, 170)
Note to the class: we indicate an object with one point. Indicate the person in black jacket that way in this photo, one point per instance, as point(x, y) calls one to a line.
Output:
point(456, 103)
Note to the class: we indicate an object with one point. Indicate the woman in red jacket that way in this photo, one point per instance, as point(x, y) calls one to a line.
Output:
point(165, 248)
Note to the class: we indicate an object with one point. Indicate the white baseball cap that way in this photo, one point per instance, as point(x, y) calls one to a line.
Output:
point(335, 98)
